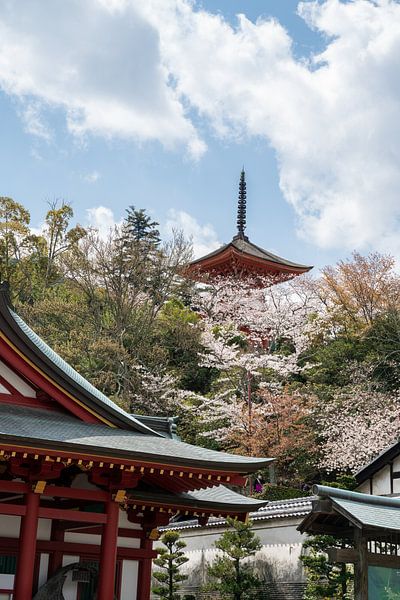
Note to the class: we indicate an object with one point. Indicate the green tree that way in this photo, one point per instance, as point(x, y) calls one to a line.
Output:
point(14, 230)
point(170, 558)
point(58, 237)
point(233, 577)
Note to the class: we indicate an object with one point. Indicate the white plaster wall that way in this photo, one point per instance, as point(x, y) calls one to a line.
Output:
point(6, 583)
point(364, 488)
point(129, 580)
point(381, 482)
point(17, 382)
point(70, 588)
point(123, 521)
point(396, 486)
point(43, 569)
point(277, 560)
point(9, 526)
point(44, 529)
point(396, 463)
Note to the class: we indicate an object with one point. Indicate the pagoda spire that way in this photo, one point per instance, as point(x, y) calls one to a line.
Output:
point(241, 212)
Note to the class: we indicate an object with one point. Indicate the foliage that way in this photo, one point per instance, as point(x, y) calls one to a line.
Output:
point(170, 558)
point(248, 365)
point(280, 492)
point(230, 574)
point(324, 579)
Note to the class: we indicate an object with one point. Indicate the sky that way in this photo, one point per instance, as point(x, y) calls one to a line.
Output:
point(159, 104)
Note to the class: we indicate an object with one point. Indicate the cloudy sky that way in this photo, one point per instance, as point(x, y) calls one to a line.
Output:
point(107, 103)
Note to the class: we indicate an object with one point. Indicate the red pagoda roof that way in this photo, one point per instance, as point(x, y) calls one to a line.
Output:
point(242, 257)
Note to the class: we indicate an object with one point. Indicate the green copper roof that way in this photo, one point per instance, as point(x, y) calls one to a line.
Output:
point(361, 510)
point(54, 430)
point(217, 497)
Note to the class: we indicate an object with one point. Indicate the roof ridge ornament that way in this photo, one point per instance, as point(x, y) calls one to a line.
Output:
point(241, 211)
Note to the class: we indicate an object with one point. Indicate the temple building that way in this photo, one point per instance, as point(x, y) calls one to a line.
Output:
point(242, 258)
point(84, 485)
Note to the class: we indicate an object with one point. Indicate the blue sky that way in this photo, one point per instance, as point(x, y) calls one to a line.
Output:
point(161, 109)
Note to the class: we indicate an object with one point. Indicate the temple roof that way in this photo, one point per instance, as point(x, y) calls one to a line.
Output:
point(40, 354)
point(49, 430)
point(350, 508)
point(293, 508)
point(217, 498)
point(242, 256)
point(245, 247)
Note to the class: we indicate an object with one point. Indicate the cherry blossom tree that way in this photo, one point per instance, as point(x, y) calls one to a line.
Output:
point(253, 335)
point(355, 425)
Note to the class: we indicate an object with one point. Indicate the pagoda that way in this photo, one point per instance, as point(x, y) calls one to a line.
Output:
point(84, 485)
point(242, 258)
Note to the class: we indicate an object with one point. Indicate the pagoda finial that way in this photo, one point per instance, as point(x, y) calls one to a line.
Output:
point(241, 213)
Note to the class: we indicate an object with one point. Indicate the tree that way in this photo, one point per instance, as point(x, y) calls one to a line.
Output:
point(359, 289)
point(233, 576)
point(170, 558)
point(369, 422)
point(324, 578)
point(59, 238)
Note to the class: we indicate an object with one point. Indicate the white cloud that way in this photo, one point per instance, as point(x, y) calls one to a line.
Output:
point(204, 237)
point(99, 61)
point(132, 69)
point(101, 218)
point(91, 177)
point(32, 118)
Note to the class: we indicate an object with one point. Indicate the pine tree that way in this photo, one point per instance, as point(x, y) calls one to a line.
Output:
point(170, 559)
point(232, 577)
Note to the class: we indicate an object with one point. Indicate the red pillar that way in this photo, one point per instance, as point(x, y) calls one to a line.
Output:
point(144, 574)
point(27, 549)
point(108, 553)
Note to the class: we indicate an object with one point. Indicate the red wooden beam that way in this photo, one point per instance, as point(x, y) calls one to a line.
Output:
point(48, 546)
point(15, 487)
point(76, 493)
point(17, 510)
point(78, 516)
point(97, 530)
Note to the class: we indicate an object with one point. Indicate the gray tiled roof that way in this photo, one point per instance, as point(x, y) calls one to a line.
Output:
point(370, 515)
point(52, 429)
point(277, 509)
point(72, 374)
point(217, 497)
point(362, 510)
point(247, 247)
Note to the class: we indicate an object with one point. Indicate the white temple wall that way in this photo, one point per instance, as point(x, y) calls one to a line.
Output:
point(9, 526)
point(278, 560)
point(129, 579)
point(43, 569)
point(381, 482)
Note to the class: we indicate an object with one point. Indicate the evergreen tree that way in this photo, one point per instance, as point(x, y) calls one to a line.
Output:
point(234, 578)
point(139, 227)
point(170, 558)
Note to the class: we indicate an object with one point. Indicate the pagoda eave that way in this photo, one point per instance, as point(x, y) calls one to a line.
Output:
point(232, 261)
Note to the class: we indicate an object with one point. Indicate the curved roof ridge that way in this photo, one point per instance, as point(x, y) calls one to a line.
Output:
point(82, 385)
